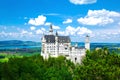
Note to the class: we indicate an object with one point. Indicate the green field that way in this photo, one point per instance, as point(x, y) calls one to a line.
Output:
point(4, 57)
point(5, 54)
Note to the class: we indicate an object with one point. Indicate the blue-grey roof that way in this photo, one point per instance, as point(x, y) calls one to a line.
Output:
point(61, 39)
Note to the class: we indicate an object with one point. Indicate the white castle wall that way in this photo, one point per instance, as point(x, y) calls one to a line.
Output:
point(56, 49)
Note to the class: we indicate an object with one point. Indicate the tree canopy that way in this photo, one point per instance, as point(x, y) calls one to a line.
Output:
point(97, 65)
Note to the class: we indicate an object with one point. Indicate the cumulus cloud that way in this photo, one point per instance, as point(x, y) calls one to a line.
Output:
point(40, 31)
point(105, 35)
point(83, 30)
point(75, 31)
point(55, 27)
point(43, 29)
point(70, 30)
point(81, 2)
point(40, 20)
point(32, 28)
point(99, 17)
point(20, 35)
point(48, 24)
point(24, 32)
point(67, 21)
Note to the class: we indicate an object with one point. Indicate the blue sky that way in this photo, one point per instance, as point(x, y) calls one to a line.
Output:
point(28, 19)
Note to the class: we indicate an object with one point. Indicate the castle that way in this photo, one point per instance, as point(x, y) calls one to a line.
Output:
point(54, 45)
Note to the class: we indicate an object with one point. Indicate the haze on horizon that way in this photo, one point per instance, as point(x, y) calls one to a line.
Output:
point(27, 20)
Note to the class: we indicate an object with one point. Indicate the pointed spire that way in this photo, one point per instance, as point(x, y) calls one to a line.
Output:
point(43, 38)
point(76, 44)
point(87, 39)
point(87, 43)
point(51, 29)
point(50, 26)
point(56, 33)
point(87, 36)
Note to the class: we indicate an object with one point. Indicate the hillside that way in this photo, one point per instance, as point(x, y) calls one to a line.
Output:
point(18, 43)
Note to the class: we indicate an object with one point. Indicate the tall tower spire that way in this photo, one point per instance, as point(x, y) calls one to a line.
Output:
point(56, 44)
point(51, 30)
point(56, 33)
point(87, 43)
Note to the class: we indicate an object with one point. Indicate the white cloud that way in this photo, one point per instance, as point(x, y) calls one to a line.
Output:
point(43, 29)
point(55, 27)
point(40, 31)
point(99, 17)
point(80, 2)
point(105, 35)
point(48, 24)
point(32, 28)
point(67, 21)
point(70, 30)
point(61, 32)
point(24, 32)
point(40, 20)
point(83, 30)
point(75, 31)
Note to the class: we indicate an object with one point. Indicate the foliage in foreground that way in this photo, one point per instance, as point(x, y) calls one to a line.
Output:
point(97, 65)
point(4, 57)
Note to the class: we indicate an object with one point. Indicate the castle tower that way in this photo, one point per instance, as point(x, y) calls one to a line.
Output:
point(56, 44)
point(43, 44)
point(43, 39)
point(43, 49)
point(76, 45)
point(51, 30)
point(87, 43)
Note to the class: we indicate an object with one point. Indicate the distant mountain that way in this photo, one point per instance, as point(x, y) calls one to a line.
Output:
point(19, 43)
point(15, 43)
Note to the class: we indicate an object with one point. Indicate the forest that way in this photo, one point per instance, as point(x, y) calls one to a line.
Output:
point(98, 64)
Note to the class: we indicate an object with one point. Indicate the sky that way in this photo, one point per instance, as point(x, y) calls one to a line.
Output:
point(28, 20)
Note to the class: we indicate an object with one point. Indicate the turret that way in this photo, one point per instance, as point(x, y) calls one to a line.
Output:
point(51, 30)
point(56, 37)
point(76, 45)
point(56, 44)
point(43, 40)
point(87, 43)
